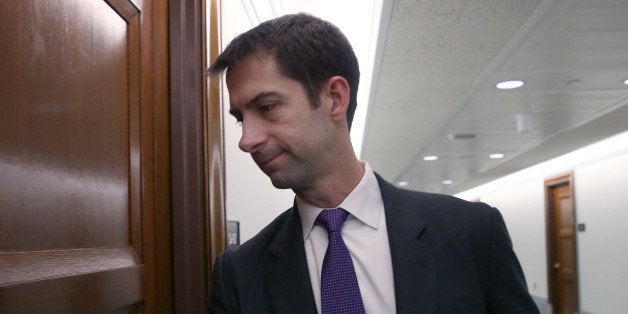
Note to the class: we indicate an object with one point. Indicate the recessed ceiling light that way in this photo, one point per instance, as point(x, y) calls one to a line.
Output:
point(626, 81)
point(402, 183)
point(447, 182)
point(509, 84)
point(430, 158)
point(496, 156)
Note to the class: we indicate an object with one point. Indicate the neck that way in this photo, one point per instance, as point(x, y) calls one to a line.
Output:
point(333, 188)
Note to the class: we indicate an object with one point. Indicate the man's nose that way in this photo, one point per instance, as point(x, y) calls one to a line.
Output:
point(253, 135)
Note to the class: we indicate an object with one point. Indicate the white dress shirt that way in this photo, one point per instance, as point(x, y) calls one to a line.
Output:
point(365, 234)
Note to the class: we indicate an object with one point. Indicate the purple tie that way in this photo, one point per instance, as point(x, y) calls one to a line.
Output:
point(340, 292)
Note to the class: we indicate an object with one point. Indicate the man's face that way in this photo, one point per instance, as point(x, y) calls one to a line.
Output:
point(286, 137)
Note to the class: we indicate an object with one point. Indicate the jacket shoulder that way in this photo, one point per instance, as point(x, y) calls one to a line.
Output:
point(433, 204)
point(259, 244)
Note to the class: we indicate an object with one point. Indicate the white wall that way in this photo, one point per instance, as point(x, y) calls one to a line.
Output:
point(601, 188)
point(251, 199)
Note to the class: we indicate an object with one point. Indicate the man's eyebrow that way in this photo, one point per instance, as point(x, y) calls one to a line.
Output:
point(258, 98)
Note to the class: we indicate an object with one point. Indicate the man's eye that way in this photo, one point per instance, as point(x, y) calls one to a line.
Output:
point(266, 107)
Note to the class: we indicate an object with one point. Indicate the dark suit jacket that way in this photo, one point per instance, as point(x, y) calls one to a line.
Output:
point(448, 255)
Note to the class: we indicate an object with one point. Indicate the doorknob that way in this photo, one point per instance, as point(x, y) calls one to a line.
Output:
point(556, 265)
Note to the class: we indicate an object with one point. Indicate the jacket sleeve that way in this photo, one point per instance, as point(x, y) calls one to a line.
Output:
point(507, 289)
point(217, 300)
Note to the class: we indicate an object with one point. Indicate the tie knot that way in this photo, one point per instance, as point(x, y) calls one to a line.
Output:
point(332, 219)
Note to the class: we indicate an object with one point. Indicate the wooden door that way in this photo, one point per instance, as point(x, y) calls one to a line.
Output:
point(84, 192)
point(562, 258)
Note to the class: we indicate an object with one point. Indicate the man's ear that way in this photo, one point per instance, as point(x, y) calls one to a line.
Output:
point(339, 91)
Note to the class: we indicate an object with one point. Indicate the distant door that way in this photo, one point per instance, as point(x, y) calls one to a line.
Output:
point(79, 161)
point(562, 258)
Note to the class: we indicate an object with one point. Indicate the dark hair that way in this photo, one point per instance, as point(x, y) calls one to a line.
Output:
point(306, 49)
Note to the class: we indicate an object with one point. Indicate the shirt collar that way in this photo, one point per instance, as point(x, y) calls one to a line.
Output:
point(358, 203)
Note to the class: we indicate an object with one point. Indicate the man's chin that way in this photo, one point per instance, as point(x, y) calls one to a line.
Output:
point(282, 181)
point(280, 184)
point(286, 178)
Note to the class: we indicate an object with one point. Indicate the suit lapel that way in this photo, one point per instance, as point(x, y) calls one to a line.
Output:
point(413, 260)
point(288, 280)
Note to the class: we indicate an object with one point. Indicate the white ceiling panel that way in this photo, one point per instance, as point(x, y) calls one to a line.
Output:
point(440, 65)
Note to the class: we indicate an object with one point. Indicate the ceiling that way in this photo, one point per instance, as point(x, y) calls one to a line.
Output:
point(434, 92)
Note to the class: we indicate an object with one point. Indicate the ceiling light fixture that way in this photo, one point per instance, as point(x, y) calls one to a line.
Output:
point(626, 81)
point(524, 122)
point(447, 182)
point(461, 136)
point(430, 158)
point(496, 156)
point(574, 82)
point(509, 84)
point(402, 183)
point(589, 155)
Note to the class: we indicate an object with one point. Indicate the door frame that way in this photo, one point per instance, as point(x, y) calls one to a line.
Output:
point(197, 151)
point(550, 224)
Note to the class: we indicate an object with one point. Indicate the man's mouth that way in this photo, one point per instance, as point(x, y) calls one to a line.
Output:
point(266, 161)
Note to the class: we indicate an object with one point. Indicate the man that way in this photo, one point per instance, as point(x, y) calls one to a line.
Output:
point(292, 84)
